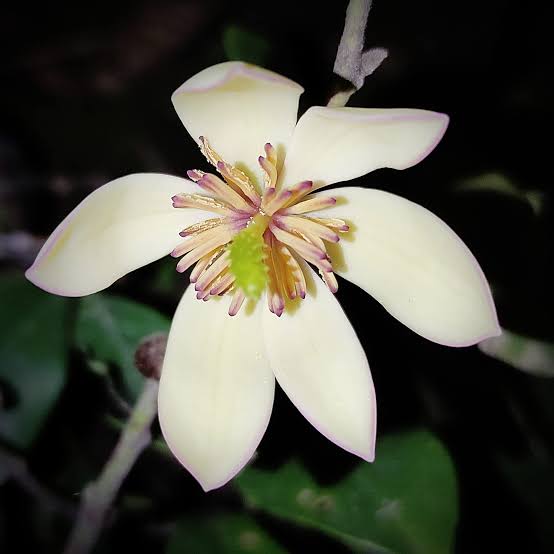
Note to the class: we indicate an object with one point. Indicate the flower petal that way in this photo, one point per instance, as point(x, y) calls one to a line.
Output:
point(330, 145)
point(121, 226)
point(239, 107)
point(216, 389)
point(319, 362)
point(414, 265)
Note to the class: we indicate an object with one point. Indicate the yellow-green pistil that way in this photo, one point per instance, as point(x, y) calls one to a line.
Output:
point(247, 258)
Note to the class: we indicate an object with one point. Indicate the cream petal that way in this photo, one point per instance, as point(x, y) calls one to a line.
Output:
point(239, 107)
point(414, 265)
point(121, 226)
point(216, 389)
point(319, 362)
point(330, 145)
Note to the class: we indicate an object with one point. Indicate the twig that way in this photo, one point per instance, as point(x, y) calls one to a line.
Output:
point(98, 496)
point(352, 63)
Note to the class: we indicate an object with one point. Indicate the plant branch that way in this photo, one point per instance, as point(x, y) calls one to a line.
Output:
point(99, 495)
point(352, 63)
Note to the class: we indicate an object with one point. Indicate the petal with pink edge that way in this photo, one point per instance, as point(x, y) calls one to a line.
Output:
point(121, 226)
point(216, 389)
point(319, 362)
point(239, 107)
point(331, 145)
point(414, 265)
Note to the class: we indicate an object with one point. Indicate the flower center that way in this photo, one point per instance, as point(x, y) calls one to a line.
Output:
point(259, 241)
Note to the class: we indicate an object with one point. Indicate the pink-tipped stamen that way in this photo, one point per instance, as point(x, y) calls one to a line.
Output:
point(194, 255)
point(311, 204)
point(222, 283)
point(210, 273)
point(236, 302)
point(221, 189)
point(195, 174)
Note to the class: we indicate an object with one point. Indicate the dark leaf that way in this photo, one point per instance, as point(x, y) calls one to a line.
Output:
point(405, 502)
point(110, 328)
point(33, 357)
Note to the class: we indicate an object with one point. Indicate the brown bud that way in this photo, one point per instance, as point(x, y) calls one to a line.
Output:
point(149, 355)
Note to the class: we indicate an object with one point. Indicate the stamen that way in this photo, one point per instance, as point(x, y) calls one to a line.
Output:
point(308, 226)
point(289, 287)
point(295, 272)
point(236, 177)
point(222, 283)
point(194, 255)
point(211, 155)
point(224, 192)
point(277, 201)
point(202, 226)
point(267, 198)
point(212, 272)
point(310, 205)
point(330, 280)
point(258, 241)
point(201, 203)
point(203, 295)
point(308, 251)
point(236, 303)
point(195, 174)
point(314, 239)
point(299, 191)
point(193, 241)
point(270, 172)
point(271, 153)
point(332, 222)
point(276, 302)
point(203, 263)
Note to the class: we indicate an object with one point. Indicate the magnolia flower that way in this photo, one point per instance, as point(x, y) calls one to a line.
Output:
point(217, 384)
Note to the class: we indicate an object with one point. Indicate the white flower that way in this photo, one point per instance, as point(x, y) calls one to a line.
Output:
point(217, 385)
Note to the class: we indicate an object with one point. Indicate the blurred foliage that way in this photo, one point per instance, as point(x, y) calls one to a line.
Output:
point(222, 534)
point(404, 502)
point(33, 358)
point(502, 185)
point(536, 476)
point(109, 329)
point(244, 45)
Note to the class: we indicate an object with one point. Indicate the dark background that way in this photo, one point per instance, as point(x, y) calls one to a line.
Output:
point(85, 97)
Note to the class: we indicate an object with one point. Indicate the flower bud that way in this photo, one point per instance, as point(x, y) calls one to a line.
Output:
point(149, 355)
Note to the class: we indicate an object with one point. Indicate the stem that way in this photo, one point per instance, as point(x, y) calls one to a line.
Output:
point(352, 63)
point(348, 62)
point(99, 495)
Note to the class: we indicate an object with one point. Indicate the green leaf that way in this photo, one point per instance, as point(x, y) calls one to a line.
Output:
point(33, 357)
point(405, 502)
point(524, 353)
point(242, 45)
point(110, 328)
point(223, 534)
